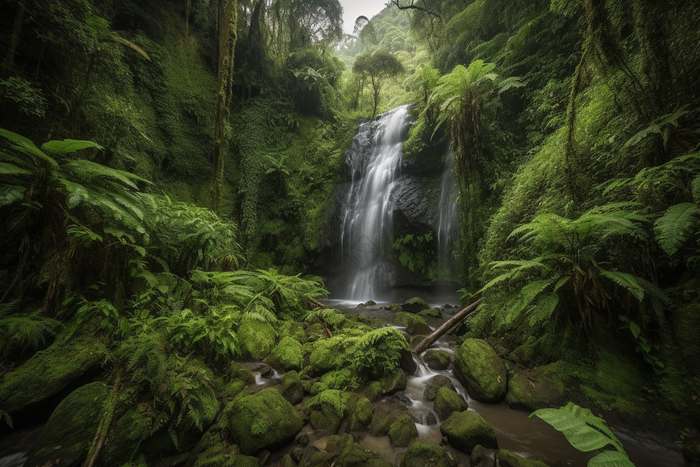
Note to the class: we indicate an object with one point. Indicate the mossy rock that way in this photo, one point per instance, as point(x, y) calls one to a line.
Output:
point(49, 371)
point(537, 390)
point(237, 371)
point(448, 401)
point(286, 461)
point(71, 428)
point(483, 457)
point(464, 430)
point(293, 329)
point(361, 415)
point(432, 312)
point(394, 382)
point(415, 305)
point(417, 339)
point(383, 417)
point(403, 431)
point(265, 420)
point(287, 355)
point(291, 387)
point(331, 354)
point(509, 459)
point(414, 323)
point(256, 337)
point(481, 371)
point(221, 455)
point(233, 389)
point(437, 359)
point(426, 454)
point(373, 391)
point(327, 409)
point(314, 457)
point(435, 383)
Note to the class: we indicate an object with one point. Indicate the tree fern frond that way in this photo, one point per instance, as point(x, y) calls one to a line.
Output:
point(67, 146)
point(543, 309)
point(10, 194)
point(24, 145)
point(11, 169)
point(625, 280)
point(610, 459)
point(676, 226)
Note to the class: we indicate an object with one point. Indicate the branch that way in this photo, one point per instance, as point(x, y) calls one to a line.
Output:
point(413, 6)
point(463, 314)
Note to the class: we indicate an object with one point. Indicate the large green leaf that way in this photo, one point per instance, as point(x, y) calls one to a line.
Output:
point(610, 459)
point(577, 432)
point(676, 226)
point(24, 145)
point(67, 146)
point(628, 281)
point(11, 169)
point(11, 194)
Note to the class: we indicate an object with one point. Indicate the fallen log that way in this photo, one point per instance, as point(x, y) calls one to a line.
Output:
point(464, 313)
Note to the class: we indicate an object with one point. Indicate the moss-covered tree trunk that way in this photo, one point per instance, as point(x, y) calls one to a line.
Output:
point(227, 45)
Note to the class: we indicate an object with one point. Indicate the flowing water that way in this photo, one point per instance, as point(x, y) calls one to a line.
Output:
point(367, 223)
point(448, 223)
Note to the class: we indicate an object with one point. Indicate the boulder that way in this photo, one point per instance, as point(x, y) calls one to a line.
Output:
point(415, 305)
point(361, 415)
point(257, 338)
point(464, 430)
point(291, 387)
point(71, 428)
point(448, 401)
point(327, 409)
point(437, 359)
point(225, 456)
point(393, 382)
point(330, 354)
point(383, 417)
point(286, 461)
point(402, 431)
point(481, 371)
point(536, 390)
point(407, 363)
point(373, 391)
point(482, 457)
point(265, 420)
point(509, 459)
point(49, 371)
point(435, 383)
point(414, 323)
point(425, 454)
point(432, 312)
point(287, 355)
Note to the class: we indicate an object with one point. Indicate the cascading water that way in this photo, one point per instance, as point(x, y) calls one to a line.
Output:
point(367, 222)
point(447, 232)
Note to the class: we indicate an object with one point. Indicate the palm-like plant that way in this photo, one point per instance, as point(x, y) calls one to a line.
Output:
point(52, 204)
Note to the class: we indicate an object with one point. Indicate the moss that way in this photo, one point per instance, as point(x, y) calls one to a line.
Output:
point(257, 338)
point(373, 391)
point(72, 426)
point(287, 461)
point(361, 415)
point(343, 379)
point(288, 355)
point(233, 389)
point(414, 324)
point(481, 371)
point(403, 431)
point(394, 382)
point(415, 305)
point(262, 421)
point(432, 312)
point(509, 459)
point(464, 430)
point(331, 354)
point(383, 417)
point(354, 455)
point(242, 373)
point(448, 401)
point(417, 339)
point(291, 387)
point(536, 389)
point(434, 384)
point(221, 455)
point(425, 454)
point(327, 409)
point(437, 359)
point(49, 371)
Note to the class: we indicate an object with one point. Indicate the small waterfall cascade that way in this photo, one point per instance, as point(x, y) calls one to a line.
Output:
point(448, 223)
point(366, 232)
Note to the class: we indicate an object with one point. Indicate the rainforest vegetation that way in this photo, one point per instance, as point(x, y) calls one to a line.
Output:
point(168, 174)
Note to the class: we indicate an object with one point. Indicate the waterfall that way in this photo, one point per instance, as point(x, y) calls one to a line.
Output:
point(448, 223)
point(366, 233)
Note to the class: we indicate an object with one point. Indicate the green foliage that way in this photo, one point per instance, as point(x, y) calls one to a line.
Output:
point(379, 352)
point(377, 66)
point(22, 331)
point(586, 432)
point(417, 253)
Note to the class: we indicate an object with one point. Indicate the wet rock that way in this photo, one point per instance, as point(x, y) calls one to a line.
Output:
point(361, 416)
point(424, 417)
point(49, 371)
point(536, 390)
point(425, 454)
point(448, 401)
point(286, 461)
point(287, 355)
point(366, 304)
point(291, 387)
point(417, 339)
point(415, 305)
point(314, 457)
point(373, 391)
point(482, 457)
point(509, 459)
point(257, 338)
point(326, 410)
point(432, 312)
point(265, 420)
point(481, 371)
point(406, 362)
point(437, 359)
point(351, 454)
point(225, 456)
point(435, 383)
point(414, 324)
point(382, 418)
point(464, 430)
point(401, 399)
point(393, 382)
point(403, 431)
point(71, 427)
point(245, 371)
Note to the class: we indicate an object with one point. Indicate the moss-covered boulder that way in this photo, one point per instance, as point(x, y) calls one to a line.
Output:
point(383, 417)
point(481, 371)
point(434, 384)
point(414, 323)
point(415, 305)
point(510, 459)
point(417, 339)
point(49, 371)
point(262, 421)
point(348, 453)
point(425, 454)
point(327, 409)
point(394, 382)
point(361, 415)
point(437, 359)
point(448, 401)
point(432, 312)
point(483, 457)
point(331, 354)
point(221, 455)
point(372, 391)
point(287, 355)
point(402, 431)
point(291, 387)
point(286, 461)
point(256, 337)
point(537, 389)
point(71, 427)
point(464, 430)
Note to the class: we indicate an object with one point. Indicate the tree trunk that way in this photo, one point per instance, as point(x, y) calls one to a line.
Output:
point(227, 45)
point(464, 313)
point(9, 61)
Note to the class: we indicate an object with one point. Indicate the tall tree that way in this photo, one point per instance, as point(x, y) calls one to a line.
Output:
point(228, 11)
point(377, 66)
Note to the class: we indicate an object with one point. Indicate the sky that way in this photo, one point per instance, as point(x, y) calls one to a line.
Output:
point(354, 8)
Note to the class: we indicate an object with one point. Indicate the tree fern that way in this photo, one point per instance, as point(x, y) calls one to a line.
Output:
point(678, 224)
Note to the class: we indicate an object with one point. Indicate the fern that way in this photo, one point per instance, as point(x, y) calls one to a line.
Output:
point(678, 224)
point(379, 352)
point(24, 331)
